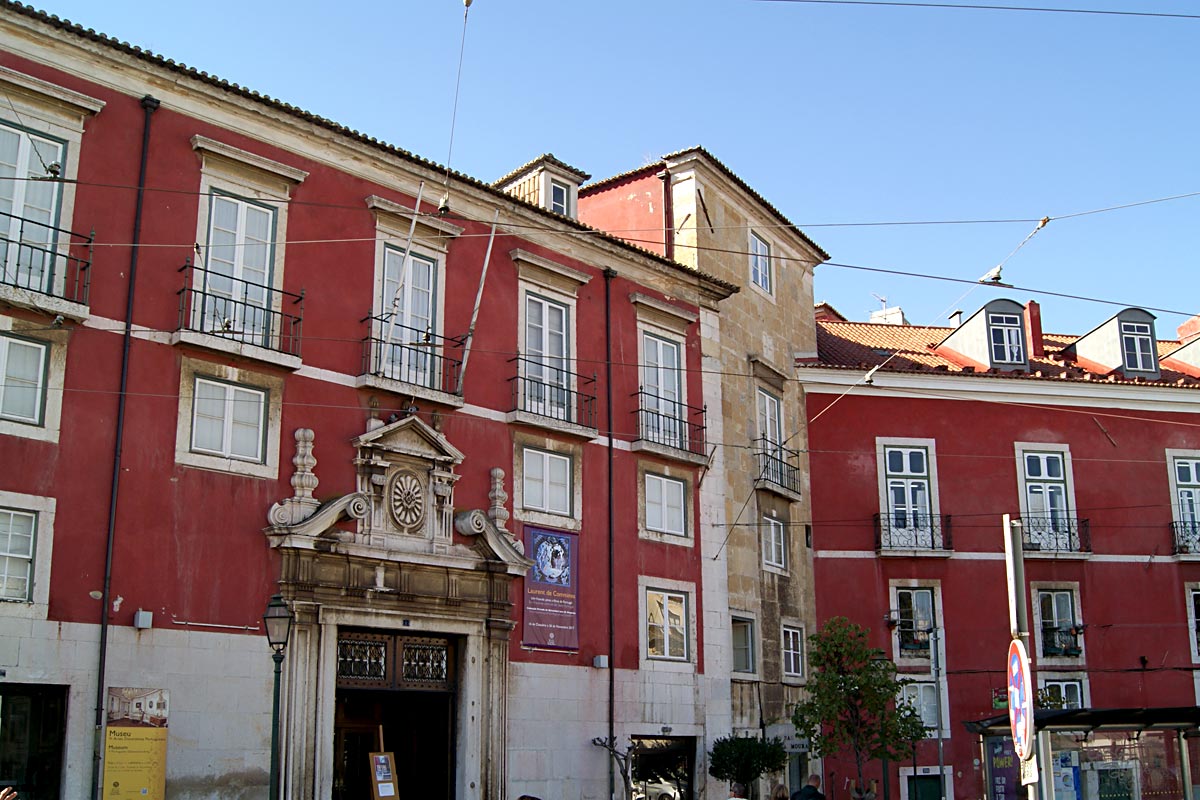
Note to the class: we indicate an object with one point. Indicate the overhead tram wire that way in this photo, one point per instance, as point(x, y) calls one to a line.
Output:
point(981, 7)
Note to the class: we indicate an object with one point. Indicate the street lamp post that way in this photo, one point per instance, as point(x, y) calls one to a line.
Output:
point(277, 620)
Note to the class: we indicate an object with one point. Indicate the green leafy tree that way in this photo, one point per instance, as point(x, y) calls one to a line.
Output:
point(744, 759)
point(852, 699)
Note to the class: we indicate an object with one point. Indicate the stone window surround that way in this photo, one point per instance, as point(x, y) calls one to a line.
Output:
point(922, 772)
point(647, 583)
point(59, 113)
point(43, 546)
point(772, 273)
point(756, 655)
point(882, 443)
point(560, 284)
point(1035, 613)
point(1021, 448)
point(1173, 481)
point(1190, 590)
point(246, 176)
point(1085, 688)
point(687, 476)
point(521, 441)
point(53, 384)
point(924, 679)
point(923, 665)
point(190, 369)
point(793, 623)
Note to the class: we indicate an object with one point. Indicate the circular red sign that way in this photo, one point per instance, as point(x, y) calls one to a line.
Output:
point(1020, 700)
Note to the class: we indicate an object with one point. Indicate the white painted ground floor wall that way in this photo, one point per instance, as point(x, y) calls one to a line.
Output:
point(220, 698)
point(554, 712)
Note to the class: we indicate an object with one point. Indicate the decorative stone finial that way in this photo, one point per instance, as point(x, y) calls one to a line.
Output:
point(497, 513)
point(301, 505)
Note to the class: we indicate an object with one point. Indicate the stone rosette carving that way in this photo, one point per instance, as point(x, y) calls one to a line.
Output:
point(406, 499)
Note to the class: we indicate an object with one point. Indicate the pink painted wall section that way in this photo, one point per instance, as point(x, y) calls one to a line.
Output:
point(189, 543)
point(1132, 592)
point(631, 208)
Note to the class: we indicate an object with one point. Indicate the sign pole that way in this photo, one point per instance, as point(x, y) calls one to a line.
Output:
point(1021, 686)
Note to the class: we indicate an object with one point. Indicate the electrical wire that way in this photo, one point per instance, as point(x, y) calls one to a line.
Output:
point(980, 7)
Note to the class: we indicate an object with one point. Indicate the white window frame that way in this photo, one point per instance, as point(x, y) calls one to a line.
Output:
point(234, 393)
point(749, 625)
point(664, 483)
point(553, 184)
point(1041, 448)
point(792, 663)
point(546, 458)
point(1035, 592)
point(770, 419)
point(1012, 329)
point(774, 544)
point(1049, 679)
point(190, 370)
point(918, 687)
point(926, 772)
point(44, 510)
point(7, 343)
point(647, 470)
point(556, 283)
point(675, 431)
point(919, 663)
point(1185, 495)
point(47, 110)
point(1191, 598)
point(931, 532)
point(1141, 336)
point(247, 178)
point(647, 584)
point(523, 441)
point(762, 268)
point(53, 380)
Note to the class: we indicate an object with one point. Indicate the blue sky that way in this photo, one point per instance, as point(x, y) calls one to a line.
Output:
point(836, 114)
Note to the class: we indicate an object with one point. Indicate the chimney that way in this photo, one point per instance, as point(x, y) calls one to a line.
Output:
point(956, 318)
point(1033, 329)
point(889, 315)
point(1188, 330)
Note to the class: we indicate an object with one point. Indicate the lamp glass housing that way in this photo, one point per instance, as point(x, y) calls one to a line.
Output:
point(277, 619)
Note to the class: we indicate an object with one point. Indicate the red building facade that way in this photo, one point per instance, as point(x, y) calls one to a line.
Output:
point(237, 362)
point(923, 438)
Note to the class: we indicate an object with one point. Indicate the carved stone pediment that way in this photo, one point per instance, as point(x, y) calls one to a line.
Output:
point(411, 438)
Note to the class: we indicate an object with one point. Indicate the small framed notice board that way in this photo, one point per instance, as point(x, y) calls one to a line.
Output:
point(383, 776)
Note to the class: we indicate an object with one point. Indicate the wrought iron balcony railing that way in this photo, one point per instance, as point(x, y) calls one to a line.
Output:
point(413, 356)
point(1062, 641)
point(545, 390)
point(778, 465)
point(670, 423)
point(1051, 533)
point(45, 259)
point(217, 304)
point(912, 531)
point(1187, 537)
point(914, 642)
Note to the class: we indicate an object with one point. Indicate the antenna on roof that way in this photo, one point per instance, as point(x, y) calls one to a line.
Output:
point(880, 298)
point(444, 205)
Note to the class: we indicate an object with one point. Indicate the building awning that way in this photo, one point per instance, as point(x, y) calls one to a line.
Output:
point(1182, 718)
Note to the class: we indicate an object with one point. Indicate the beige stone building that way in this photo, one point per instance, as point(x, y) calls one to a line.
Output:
point(754, 497)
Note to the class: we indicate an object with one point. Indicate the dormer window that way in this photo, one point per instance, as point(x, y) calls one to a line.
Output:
point(1008, 342)
point(560, 195)
point(1137, 342)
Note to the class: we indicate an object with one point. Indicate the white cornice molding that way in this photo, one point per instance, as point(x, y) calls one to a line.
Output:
point(1041, 391)
point(81, 103)
point(385, 206)
point(682, 316)
point(261, 163)
point(523, 257)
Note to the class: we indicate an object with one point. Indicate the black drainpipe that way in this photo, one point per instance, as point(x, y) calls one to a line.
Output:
point(668, 215)
point(149, 105)
point(609, 274)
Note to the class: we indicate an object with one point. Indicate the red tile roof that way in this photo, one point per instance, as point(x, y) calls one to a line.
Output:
point(913, 349)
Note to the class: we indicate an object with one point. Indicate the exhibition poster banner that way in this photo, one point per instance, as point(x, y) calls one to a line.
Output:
point(1003, 769)
point(551, 608)
point(135, 744)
